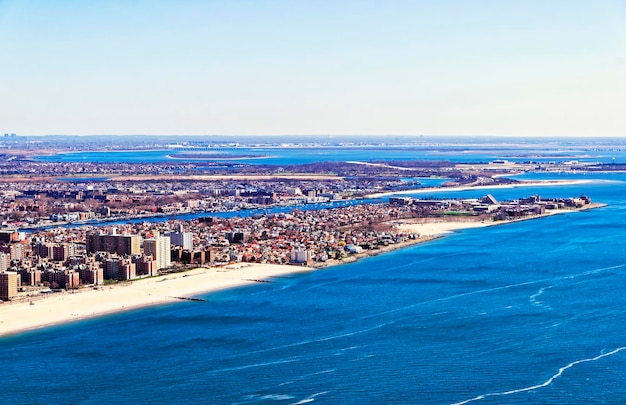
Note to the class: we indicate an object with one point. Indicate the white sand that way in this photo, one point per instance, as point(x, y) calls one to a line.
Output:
point(428, 227)
point(441, 228)
point(67, 307)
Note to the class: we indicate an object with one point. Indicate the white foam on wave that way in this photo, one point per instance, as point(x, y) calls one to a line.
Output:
point(351, 348)
point(364, 357)
point(254, 365)
point(321, 339)
point(306, 376)
point(264, 398)
point(544, 384)
point(536, 302)
point(310, 398)
point(276, 397)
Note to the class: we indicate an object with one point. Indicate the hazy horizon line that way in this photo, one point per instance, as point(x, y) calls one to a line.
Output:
point(330, 135)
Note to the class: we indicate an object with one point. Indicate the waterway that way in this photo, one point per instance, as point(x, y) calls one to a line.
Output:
point(287, 156)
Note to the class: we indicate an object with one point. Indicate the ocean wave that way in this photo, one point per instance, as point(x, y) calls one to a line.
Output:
point(310, 398)
point(536, 302)
point(544, 384)
point(498, 288)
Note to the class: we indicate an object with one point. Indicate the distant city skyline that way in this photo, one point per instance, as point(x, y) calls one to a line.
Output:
point(494, 68)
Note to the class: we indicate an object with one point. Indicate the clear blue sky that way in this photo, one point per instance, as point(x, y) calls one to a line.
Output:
point(433, 67)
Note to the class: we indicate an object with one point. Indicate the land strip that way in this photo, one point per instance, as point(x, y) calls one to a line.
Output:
point(70, 306)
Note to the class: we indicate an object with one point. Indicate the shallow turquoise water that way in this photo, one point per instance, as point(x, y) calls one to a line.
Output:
point(489, 314)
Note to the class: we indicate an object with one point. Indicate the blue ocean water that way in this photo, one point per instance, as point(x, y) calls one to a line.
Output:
point(530, 312)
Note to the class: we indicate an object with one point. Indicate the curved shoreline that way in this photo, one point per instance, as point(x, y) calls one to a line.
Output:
point(86, 303)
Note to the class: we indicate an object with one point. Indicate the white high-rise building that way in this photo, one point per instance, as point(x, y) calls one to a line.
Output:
point(300, 255)
point(159, 249)
point(5, 261)
point(184, 239)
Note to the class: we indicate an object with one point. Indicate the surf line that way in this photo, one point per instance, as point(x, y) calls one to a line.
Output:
point(545, 384)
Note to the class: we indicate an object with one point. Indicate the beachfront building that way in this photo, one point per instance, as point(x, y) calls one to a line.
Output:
point(146, 265)
point(119, 268)
point(90, 275)
point(300, 256)
point(67, 279)
point(30, 277)
point(9, 283)
point(159, 249)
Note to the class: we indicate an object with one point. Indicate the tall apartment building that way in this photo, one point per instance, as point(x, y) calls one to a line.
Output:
point(93, 242)
point(17, 251)
point(300, 255)
point(237, 236)
point(63, 251)
point(64, 279)
point(91, 275)
point(9, 283)
point(9, 236)
point(120, 244)
point(5, 261)
point(43, 249)
point(146, 265)
point(184, 239)
point(120, 268)
point(159, 249)
point(30, 276)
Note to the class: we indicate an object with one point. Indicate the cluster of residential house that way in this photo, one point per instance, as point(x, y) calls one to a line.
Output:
point(26, 204)
point(73, 257)
point(69, 258)
point(533, 205)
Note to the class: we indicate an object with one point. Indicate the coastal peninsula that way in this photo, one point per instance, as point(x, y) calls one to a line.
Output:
point(77, 230)
point(355, 234)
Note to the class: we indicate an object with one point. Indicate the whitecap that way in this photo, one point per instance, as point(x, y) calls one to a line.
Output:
point(544, 384)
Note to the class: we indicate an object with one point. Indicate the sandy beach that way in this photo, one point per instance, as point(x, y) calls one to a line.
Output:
point(424, 228)
point(88, 302)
